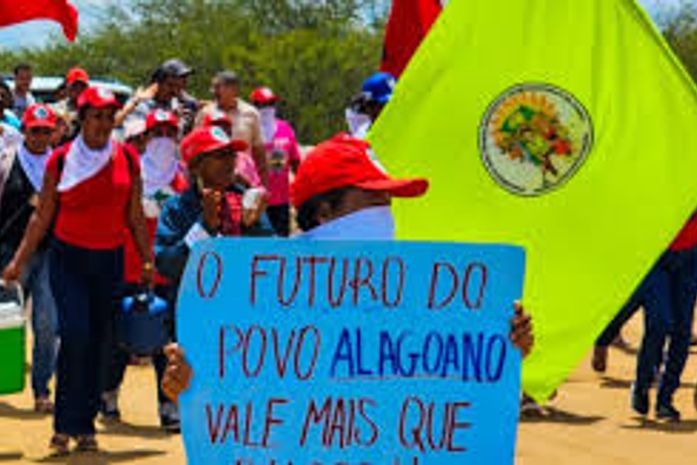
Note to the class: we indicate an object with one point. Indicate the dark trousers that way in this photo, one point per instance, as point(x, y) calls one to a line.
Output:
point(280, 219)
point(84, 284)
point(116, 369)
point(613, 329)
point(668, 297)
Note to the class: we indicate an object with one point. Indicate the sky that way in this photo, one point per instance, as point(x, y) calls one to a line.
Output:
point(37, 33)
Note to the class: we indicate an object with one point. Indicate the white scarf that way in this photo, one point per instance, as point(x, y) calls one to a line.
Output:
point(268, 124)
point(160, 165)
point(359, 123)
point(82, 163)
point(371, 224)
point(34, 166)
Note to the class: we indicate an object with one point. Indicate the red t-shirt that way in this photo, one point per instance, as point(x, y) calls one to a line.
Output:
point(687, 238)
point(93, 214)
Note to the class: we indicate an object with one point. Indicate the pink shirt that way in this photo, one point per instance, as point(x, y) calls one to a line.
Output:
point(280, 152)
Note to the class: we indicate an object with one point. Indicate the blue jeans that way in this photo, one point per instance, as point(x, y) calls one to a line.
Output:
point(668, 296)
point(84, 283)
point(44, 322)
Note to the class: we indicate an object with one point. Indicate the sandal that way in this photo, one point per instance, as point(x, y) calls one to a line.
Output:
point(60, 444)
point(86, 443)
point(43, 405)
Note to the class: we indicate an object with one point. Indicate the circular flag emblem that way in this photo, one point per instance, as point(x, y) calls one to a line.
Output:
point(534, 138)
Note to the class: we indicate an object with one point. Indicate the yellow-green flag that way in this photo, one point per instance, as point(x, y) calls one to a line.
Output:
point(565, 126)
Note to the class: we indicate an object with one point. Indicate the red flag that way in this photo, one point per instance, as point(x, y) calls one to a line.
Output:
point(410, 21)
point(61, 11)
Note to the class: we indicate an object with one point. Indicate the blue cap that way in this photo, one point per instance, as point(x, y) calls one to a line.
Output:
point(378, 87)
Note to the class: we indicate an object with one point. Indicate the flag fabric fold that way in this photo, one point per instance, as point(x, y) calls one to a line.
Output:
point(409, 22)
point(564, 126)
point(62, 11)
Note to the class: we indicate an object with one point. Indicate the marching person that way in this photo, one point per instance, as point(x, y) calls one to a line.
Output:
point(246, 126)
point(91, 195)
point(76, 82)
point(163, 177)
point(22, 174)
point(366, 107)
point(256, 197)
point(668, 296)
point(283, 157)
point(23, 97)
point(7, 116)
point(341, 193)
point(167, 91)
point(10, 135)
point(212, 205)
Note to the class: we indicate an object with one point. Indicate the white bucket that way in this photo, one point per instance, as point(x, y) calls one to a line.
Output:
point(12, 313)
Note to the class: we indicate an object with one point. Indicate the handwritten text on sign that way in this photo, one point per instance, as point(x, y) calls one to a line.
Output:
point(310, 353)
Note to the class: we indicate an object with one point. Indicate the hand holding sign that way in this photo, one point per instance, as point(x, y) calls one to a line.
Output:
point(311, 352)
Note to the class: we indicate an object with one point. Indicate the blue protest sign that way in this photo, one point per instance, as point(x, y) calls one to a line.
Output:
point(321, 352)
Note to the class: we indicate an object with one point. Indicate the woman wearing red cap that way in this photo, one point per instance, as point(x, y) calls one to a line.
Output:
point(341, 192)
point(163, 177)
point(91, 194)
point(283, 156)
point(22, 170)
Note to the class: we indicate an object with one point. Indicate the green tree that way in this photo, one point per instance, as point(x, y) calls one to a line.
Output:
point(313, 53)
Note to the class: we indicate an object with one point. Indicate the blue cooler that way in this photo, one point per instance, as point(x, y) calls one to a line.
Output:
point(143, 324)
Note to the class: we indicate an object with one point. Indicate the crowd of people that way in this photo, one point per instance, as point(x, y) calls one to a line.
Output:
point(101, 201)
point(83, 183)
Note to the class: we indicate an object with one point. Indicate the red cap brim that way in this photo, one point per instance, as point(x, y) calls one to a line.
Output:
point(237, 145)
point(40, 124)
point(406, 188)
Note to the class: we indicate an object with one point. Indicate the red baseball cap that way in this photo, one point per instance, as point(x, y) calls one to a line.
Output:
point(39, 116)
point(97, 97)
point(208, 139)
point(263, 96)
point(216, 117)
point(77, 75)
point(345, 161)
point(161, 117)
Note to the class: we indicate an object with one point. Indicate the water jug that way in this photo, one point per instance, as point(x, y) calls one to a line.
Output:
point(143, 323)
